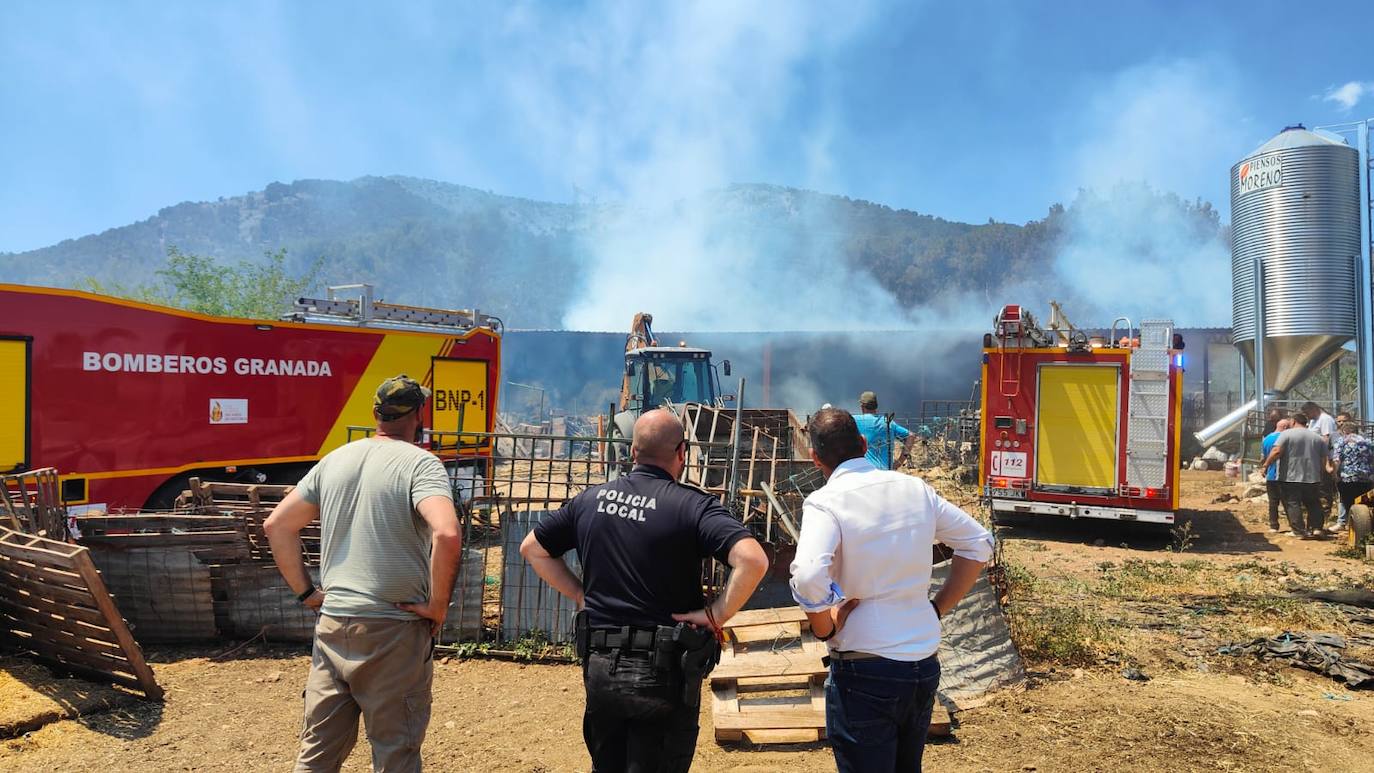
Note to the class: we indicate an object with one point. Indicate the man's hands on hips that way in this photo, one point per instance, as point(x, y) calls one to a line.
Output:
point(315, 600)
point(430, 611)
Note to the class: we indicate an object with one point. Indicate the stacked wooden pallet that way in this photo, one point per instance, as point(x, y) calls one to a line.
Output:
point(252, 503)
point(30, 502)
point(768, 687)
point(770, 684)
point(54, 606)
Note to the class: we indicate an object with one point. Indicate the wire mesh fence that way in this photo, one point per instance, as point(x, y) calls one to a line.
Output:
point(205, 570)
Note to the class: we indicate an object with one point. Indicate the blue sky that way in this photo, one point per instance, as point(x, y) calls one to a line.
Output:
point(967, 110)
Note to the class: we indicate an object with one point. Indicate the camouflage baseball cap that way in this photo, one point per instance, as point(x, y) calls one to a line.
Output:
point(398, 396)
point(868, 399)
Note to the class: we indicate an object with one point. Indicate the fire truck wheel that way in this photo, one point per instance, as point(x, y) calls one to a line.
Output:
point(1360, 526)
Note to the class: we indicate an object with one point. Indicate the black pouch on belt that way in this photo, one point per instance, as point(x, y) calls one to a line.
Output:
point(700, 653)
point(582, 635)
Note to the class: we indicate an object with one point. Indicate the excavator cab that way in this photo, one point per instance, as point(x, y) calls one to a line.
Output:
point(659, 376)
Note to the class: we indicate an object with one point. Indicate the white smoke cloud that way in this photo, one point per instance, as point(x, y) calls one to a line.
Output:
point(657, 105)
point(1171, 126)
point(1349, 94)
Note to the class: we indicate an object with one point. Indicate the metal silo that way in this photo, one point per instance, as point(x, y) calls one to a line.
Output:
point(1295, 209)
point(1295, 205)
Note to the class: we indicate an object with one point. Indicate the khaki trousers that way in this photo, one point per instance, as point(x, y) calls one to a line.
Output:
point(380, 669)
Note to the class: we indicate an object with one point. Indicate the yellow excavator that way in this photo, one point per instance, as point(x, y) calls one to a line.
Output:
point(658, 376)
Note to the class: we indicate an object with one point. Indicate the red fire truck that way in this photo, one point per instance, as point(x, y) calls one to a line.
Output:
point(128, 400)
point(1080, 426)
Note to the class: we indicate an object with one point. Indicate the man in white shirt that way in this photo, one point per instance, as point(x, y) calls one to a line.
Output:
point(1323, 424)
point(862, 575)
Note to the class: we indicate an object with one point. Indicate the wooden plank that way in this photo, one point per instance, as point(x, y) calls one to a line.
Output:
point(768, 719)
point(766, 616)
point(18, 575)
point(116, 623)
point(91, 524)
point(143, 540)
point(724, 700)
point(89, 672)
point(748, 684)
point(43, 606)
point(57, 558)
point(749, 479)
point(940, 721)
point(768, 632)
point(782, 736)
point(58, 634)
point(768, 664)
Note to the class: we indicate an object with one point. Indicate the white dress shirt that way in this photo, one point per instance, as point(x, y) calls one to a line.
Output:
point(867, 534)
point(1325, 426)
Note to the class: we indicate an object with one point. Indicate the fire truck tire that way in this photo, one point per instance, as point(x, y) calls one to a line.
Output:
point(1360, 525)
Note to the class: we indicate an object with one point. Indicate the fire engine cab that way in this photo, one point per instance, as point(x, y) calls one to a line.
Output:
point(128, 400)
point(1080, 426)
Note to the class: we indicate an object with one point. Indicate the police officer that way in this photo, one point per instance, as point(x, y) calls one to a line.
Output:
point(645, 635)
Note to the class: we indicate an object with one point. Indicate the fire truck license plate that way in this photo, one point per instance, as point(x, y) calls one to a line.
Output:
point(1009, 464)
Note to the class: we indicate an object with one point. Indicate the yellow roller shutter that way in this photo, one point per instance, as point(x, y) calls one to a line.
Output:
point(1076, 426)
point(14, 404)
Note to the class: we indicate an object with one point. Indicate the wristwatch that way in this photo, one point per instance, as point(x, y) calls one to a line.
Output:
point(307, 594)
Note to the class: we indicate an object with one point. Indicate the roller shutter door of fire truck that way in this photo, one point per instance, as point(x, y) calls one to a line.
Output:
point(460, 388)
point(1076, 426)
point(14, 404)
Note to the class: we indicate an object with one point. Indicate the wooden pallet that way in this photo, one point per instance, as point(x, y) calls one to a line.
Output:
point(768, 687)
point(54, 606)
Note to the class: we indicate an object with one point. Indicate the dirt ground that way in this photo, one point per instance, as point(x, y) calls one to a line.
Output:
point(1088, 601)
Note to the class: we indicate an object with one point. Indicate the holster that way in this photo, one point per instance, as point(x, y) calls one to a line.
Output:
point(582, 635)
point(698, 652)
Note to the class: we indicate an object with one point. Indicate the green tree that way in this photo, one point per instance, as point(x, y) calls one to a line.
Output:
point(201, 284)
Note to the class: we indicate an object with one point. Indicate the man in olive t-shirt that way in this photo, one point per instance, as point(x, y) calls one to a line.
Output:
point(1301, 456)
point(389, 550)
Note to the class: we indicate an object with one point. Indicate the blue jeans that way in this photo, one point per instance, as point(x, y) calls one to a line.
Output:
point(877, 712)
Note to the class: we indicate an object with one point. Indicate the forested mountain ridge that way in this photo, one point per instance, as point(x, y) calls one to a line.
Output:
point(433, 243)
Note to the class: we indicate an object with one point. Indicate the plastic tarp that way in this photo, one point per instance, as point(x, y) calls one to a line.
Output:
point(977, 656)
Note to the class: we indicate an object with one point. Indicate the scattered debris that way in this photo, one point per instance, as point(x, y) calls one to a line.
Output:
point(1135, 674)
point(1318, 652)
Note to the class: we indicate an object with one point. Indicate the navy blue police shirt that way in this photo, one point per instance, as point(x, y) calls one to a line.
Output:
point(641, 539)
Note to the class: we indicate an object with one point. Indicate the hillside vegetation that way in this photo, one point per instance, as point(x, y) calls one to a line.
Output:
point(434, 243)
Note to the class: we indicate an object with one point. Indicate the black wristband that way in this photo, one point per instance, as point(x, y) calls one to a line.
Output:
point(307, 594)
point(936, 607)
point(833, 630)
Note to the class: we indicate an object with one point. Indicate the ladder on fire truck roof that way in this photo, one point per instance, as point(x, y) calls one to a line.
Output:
point(363, 311)
point(1015, 323)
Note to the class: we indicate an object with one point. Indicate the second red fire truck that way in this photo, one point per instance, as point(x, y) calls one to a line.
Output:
point(1078, 426)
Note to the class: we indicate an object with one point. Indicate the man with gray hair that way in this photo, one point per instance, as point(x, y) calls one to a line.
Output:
point(389, 548)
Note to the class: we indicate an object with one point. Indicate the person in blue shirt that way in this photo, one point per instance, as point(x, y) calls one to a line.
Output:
point(1273, 487)
point(882, 433)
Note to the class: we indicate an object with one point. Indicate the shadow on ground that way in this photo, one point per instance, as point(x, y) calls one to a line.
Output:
point(33, 695)
point(1195, 531)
